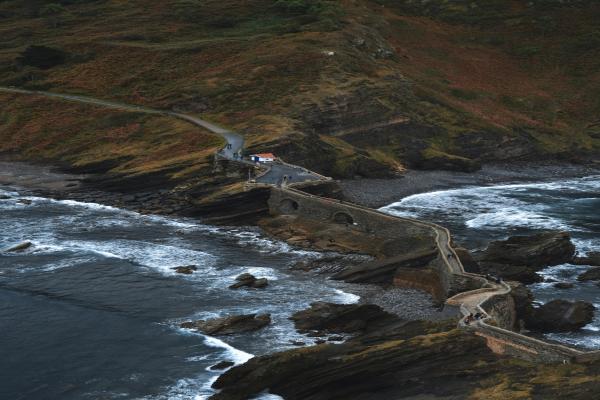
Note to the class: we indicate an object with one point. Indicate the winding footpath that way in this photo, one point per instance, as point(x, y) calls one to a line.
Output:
point(286, 176)
point(235, 141)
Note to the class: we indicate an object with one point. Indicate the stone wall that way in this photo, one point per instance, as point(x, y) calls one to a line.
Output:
point(407, 236)
point(505, 342)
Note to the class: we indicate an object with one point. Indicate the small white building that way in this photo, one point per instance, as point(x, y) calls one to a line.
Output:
point(263, 157)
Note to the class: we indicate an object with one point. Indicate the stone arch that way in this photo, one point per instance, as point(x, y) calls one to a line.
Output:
point(288, 205)
point(343, 218)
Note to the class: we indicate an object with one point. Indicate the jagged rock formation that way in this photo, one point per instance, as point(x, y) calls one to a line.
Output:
point(393, 359)
point(249, 280)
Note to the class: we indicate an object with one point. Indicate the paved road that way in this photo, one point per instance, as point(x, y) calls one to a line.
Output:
point(235, 141)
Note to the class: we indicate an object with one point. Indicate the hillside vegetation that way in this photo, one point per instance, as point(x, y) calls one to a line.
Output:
point(348, 88)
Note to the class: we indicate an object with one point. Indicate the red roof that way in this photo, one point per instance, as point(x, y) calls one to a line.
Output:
point(264, 155)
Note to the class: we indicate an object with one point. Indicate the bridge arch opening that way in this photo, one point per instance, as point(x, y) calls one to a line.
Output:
point(288, 205)
point(343, 218)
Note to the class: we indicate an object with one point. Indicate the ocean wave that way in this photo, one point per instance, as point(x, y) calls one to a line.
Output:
point(589, 341)
point(533, 205)
point(200, 387)
point(514, 217)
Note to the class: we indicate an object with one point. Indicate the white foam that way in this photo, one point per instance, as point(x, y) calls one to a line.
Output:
point(66, 263)
point(157, 256)
point(197, 358)
point(512, 217)
point(235, 355)
point(259, 272)
point(591, 341)
point(515, 205)
point(346, 298)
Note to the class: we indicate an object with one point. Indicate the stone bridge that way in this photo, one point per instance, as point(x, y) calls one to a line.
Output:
point(471, 292)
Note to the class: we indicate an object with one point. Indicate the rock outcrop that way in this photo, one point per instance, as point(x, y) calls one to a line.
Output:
point(466, 258)
point(592, 274)
point(520, 257)
point(393, 359)
point(323, 318)
point(521, 273)
point(249, 280)
point(563, 285)
point(222, 365)
point(230, 324)
point(561, 316)
point(592, 258)
point(383, 271)
point(539, 250)
point(185, 269)
point(20, 247)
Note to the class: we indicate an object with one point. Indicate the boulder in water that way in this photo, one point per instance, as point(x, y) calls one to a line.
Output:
point(564, 285)
point(249, 280)
point(592, 274)
point(561, 316)
point(222, 365)
point(185, 269)
point(20, 247)
point(24, 201)
point(4, 197)
point(535, 251)
point(592, 258)
point(230, 324)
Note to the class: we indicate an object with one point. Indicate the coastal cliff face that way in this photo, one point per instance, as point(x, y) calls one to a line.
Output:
point(363, 88)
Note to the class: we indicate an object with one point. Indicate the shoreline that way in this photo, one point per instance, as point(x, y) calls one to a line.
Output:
point(50, 181)
point(376, 193)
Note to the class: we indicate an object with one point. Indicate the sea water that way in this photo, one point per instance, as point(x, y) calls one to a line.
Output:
point(92, 310)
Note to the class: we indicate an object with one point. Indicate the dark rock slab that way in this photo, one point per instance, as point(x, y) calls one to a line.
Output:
point(222, 365)
point(321, 318)
point(592, 274)
point(592, 258)
point(185, 269)
point(521, 273)
point(467, 260)
point(20, 247)
point(230, 325)
point(382, 271)
point(249, 280)
point(564, 285)
point(396, 369)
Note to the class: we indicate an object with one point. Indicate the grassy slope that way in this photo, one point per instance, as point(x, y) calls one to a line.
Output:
point(89, 137)
point(465, 81)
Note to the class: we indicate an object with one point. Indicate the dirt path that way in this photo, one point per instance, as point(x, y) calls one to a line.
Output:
point(235, 141)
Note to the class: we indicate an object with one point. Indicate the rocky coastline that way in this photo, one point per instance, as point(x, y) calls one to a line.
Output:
point(385, 339)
